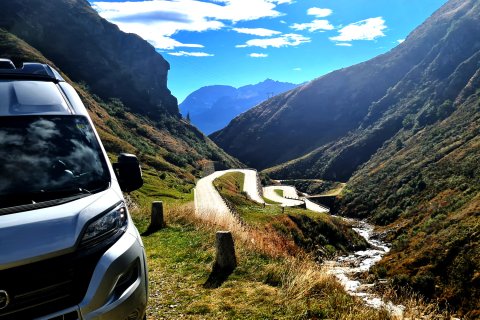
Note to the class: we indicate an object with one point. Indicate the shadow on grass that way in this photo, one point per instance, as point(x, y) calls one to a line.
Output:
point(217, 277)
point(152, 229)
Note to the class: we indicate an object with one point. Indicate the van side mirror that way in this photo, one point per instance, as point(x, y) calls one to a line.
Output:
point(128, 172)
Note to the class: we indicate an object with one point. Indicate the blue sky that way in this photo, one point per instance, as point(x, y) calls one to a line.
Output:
point(240, 42)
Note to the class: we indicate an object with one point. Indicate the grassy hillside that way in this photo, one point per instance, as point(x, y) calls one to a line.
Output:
point(265, 284)
point(426, 94)
point(319, 234)
point(334, 124)
point(425, 186)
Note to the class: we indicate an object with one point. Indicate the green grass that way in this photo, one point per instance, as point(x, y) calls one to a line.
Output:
point(315, 232)
point(268, 201)
point(263, 286)
point(279, 192)
point(180, 258)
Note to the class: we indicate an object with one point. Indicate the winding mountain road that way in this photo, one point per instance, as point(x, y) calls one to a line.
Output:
point(288, 191)
point(291, 199)
point(208, 201)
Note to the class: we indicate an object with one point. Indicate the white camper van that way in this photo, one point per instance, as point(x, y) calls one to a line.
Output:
point(68, 247)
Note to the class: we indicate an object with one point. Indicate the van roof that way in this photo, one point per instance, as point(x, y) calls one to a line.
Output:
point(29, 71)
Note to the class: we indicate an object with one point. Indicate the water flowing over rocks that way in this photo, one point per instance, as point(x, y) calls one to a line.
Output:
point(348, 269)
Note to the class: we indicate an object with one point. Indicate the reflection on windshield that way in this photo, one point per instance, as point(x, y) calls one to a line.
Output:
point(48, 157)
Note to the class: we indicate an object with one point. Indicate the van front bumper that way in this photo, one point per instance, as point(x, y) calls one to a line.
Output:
point(118, 287)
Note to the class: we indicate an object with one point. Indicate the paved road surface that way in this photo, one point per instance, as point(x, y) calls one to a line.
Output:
point(315, 207)
point(291, 192)
point(269, 193)
point(209, 202)
point(250, 184)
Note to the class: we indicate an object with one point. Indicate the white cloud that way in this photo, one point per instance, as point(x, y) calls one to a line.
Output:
point(258, 55)
point(343, 44)
point(261, 32)
point(400, 40)
point(368, 29)
point(297, 69)
point(319, 12)
point(190, 54)
point(163, 42)
point(290, 39)
point(315, 25)
point(158, 20)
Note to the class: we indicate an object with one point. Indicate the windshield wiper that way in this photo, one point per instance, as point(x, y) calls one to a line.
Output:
point(36, 198)
point(60, 193)
point(13, 200)
point(18, 204)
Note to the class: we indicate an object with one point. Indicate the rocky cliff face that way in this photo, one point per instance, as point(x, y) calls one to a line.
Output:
point(94, 51)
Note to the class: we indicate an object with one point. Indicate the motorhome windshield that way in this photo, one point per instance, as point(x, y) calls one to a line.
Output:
point(45, 158)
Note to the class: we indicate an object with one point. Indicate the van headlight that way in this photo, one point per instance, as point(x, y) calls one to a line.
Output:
point(108, 226)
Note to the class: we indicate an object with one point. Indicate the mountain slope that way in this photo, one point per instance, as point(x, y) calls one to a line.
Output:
point(426, 188)
point(424, 96)
point(412, 161)
point(318, 115)
point(212, 107)
point(94, 51)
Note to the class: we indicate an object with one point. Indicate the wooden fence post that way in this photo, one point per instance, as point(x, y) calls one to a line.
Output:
point(157, 221)
point(225, 260)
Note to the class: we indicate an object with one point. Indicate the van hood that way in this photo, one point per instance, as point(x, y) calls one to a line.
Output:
point(30, 236)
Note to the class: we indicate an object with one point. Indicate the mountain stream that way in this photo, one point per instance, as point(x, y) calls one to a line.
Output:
point(347, 269)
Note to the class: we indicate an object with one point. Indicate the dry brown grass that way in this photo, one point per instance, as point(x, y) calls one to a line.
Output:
point(299, 284)
point(416, 307)
point(301, 279)
point(289, 286)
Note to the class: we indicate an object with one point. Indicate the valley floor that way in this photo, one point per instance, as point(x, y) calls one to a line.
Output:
point(269, 283)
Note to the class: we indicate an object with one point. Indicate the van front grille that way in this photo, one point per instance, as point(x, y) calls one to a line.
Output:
point(44, 287)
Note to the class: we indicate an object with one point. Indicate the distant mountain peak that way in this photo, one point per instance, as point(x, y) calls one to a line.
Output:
point(268, 80)
point(212, 107)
